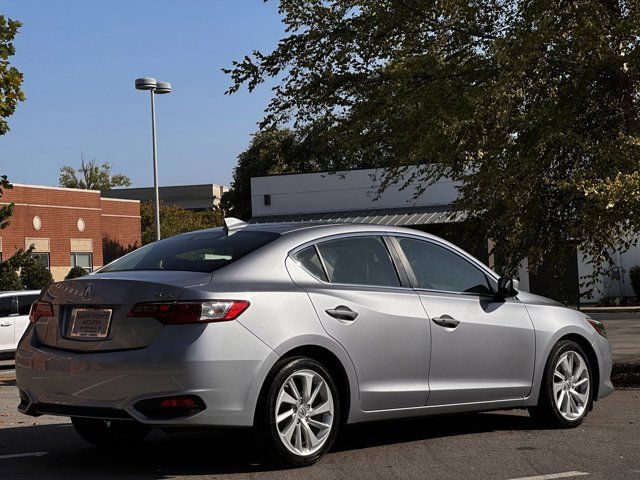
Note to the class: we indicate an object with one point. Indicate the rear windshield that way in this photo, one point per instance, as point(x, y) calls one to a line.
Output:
point(198, 252)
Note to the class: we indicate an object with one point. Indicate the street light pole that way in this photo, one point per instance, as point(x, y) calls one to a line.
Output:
point(148, 83)
point(156, 190)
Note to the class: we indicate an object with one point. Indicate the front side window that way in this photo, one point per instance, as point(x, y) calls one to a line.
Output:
point(359, 261)
point(82, 260)
point(195, 252)
point(5, 306)
point(438, 268)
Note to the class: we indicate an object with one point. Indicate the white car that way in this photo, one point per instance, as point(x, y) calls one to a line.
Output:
point(14, 318)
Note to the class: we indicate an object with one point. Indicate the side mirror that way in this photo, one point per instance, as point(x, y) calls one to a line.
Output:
point(508, 287)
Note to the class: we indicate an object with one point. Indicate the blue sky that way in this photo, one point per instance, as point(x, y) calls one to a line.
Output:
point(80, 59)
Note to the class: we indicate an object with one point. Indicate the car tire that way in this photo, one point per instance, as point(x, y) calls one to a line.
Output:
point(566, 391)
point(292, 420)
point(112, 434)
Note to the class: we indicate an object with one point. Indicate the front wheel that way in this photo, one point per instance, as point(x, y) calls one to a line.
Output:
point(299, 414)
point(115, 434)
point(566, 393)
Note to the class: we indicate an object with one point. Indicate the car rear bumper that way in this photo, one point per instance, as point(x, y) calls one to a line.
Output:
point(222, 364)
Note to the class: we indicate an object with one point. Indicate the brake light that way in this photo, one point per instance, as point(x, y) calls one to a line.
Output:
point(40, 309)
point(179, 313)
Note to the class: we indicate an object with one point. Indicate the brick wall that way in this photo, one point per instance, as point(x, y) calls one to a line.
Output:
point(66, 217)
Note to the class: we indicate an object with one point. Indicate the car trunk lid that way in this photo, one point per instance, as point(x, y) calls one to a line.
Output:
point(106, 300)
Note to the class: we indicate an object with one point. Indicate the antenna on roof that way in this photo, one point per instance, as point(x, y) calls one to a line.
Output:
point(232, 225)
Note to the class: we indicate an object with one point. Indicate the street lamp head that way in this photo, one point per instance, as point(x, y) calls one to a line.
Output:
point(163, 87)
point(146, 83)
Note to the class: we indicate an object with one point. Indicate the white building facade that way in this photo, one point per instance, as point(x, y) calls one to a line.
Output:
point(353, 196)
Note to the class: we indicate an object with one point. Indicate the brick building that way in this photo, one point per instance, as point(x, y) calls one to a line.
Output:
point(68, 227)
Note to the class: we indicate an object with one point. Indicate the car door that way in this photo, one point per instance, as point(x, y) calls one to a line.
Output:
point(7, 324)
point(482, 346)
point(21, 321)
point(362, 303)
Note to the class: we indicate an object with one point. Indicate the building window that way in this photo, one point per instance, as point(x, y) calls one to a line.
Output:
point(267, 200)
point(82, 260)
point(43, 257)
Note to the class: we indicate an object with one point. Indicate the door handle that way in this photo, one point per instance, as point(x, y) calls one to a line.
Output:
point(5, 324)
point(342, 313)
point(446, 321)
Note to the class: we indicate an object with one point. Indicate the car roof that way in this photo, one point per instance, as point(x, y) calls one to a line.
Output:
point(13, 293)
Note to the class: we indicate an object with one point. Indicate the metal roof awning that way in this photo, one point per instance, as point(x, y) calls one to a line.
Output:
point(406, 216)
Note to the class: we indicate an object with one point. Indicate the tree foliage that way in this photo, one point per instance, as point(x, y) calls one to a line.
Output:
point(22, 270)
point(175, 220)
point(91, 176)
point(272, 151)
point(10, 95)
point(532, 105)
point(75, 272)
point(10, 78)
point(34, 274)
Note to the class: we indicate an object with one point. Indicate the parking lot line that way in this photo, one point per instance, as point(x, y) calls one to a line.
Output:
point(20, 455)
point(553, 475)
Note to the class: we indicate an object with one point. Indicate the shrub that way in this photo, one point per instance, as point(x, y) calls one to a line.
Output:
point(9, 279)
point(34, 275)
point(634, 276)
point(75, 272)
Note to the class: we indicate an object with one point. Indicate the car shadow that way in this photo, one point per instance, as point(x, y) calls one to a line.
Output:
point(212, 452)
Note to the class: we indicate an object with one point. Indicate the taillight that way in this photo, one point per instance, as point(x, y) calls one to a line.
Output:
point(40, 309)
point(191, 312)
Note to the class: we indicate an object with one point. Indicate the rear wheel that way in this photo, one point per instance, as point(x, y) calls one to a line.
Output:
point(110, 433)
point(566, 393)
point(299, 414)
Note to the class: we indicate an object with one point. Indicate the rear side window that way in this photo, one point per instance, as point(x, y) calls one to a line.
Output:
point(359, 261)
point(197, 252)
point(24, 303)
point(309, 259)
point(437, 268)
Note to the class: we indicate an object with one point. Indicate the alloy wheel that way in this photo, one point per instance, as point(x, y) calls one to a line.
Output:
point(571, 385)
point(304, 412)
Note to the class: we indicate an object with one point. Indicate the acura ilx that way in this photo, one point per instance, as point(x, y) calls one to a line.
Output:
point(296, 330)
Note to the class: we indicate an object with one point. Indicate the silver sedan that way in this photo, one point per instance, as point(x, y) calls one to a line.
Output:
point(296, 330)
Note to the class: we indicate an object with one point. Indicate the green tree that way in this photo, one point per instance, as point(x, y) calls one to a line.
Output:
point(91, 176)
point(10, 78)
point(10, 95)
point(75, 272)
point(9, 278)
point(34, 275)
point(9, 268)
point(175, 220)
point(272, 151)
point(532, 106)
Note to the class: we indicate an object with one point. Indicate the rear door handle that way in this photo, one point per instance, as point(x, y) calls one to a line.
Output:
point(446, 321)
point(342, 313)
point(5, 324)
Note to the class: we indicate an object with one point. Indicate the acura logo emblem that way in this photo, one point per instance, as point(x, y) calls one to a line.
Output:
point(88, 292)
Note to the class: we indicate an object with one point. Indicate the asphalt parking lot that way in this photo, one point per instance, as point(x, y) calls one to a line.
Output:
point(499, 445)
point(503, 445)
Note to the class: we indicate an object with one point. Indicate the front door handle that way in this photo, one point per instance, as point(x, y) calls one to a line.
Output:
point(342, 313)
point(446, 321)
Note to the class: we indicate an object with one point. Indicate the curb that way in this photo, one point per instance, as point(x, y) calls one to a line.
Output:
point(610, 309)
